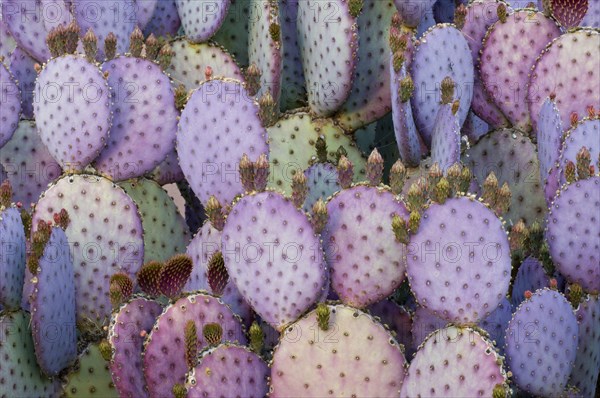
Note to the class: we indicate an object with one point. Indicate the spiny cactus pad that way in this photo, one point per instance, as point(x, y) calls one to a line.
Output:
point(201, 249)
point(281, 271)
point(366, 261)
point(211, 143)
point(165, 230)
point(25, 20)
point(445, 142)
point(495, 324)
point(165, 19)
point(127, 331)
point(90, 377)
point(459, 260)
point(585, 133)
point(105, 233)
point(424, 322)
point(144, 10)
point(201, 19)
point(530, 276)
point(292, 145)
point(511, 156)
point(572, 233)
point(28, 165)
point(541, 343)
point(104, 18)
point(398, 319)
point(164, 350)
point(370, 99)
point(233, 33)
point(190, 61)
point(558, 71)
point(52, 304)
point(412, 12)
point(10, 100)
point(454, 362)
point(228, 370)
point(20, 375)
point(293, 93)
point(328, 64)
point(587, 361)
point(12, 260)
point(450, 49)
point(481, 14)
point(144, 112)
point(322, 182)
point(505, 72)
point(336, 362)
point(23, 70)
point(265, 45)
point(168, 171)
point(73, 113)
point(549, 137)
point(410, 144)
point(7, 43)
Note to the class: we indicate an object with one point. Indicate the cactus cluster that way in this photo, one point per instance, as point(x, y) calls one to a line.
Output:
point(299, 198)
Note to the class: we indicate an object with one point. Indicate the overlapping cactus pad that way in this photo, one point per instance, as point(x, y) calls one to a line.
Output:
point(299, 198)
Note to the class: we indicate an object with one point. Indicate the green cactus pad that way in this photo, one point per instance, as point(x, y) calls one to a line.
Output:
point(90, 376)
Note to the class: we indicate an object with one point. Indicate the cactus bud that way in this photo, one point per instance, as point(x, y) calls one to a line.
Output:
point(33, 263)
point(518, 236)
point(503, 199)
point(319, 215)
point(269, 109)
point(553, 284)
point(355, 7)
point(148, 278)
point(341, 151)
point(110, 46)
point(447, 88)
point(152, 47)
point(414, 221)
point(257, 338)
point(502, 12)
point(179, 391)
point(261, 173)
point(26, 219)
point(442, 191)
point(56, 41)
point(397, 177)
point(208, 73)
point(527, 294)
point(400, 229)
point(584, 160)
point(416, 196)
point(181, 97)
point(574, 118)
point(252, 76)
point(71, 38)
point(434, 175)
point(490, 189)
point(6, 194)
point(217, 274)
point(299, 189)
point(62, 219)
point(247, 173)
point(406, 88)
point(105, 350)
point(460, 14)
point(214, 213)
point(453, 175)
point(345, 172)
point(174, 274)
point(90, 45)
point(455, 106)
point(499, 391)
point(576, 295)
point(213, 332)
point(374, 168)
point(120, 288)
point(164, 56)
point(136, 42)
point(570, 172)
point(398, 60)
point(190, 338)
point(323, 316)
point(321, 147)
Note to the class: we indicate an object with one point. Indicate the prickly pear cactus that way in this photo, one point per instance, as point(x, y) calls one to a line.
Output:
point(412, 12)
point(459, 260)
point(366, 262)
point(512, 158)
point(165, 231)
point(22, 67)
point(105, 231)
point(292, 145)
point(201, 249)
point(445, 142)
point(127, 331)
point(448, 46)
point(7, 43)
point(201, 19)
point(90, 376)
point(165, 19)
point(228, 370)
point(190, 61)
point(398, 319)
point(326, 343)
point(328, 65)
point(549, 137)
point(233, 33)
point(541, 343)
point(573, 95)
point(52, 306)
point(587, 361)
point(12, 261)
point(424, 322)
point(76, 137)
point(530, 277)
point(322, 182)
point(20, 374)
point(29, 35)
point(236, 131)
point(279, 280)
point(586, 133)
point(10, 101)
point(573, 236)
point(441, 363)
point(495, 324)
point(164, 355)
point(504, 73)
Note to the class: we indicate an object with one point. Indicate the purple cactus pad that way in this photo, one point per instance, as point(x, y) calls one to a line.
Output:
point(322, 182)
point(587, 361)
point(10, 101)
point(530, 276)
point(586, 133)
point(445, 142)
point(549, 137)
point(201, 19)
point(25, 21)
point(12, 260)
point(22, 67)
